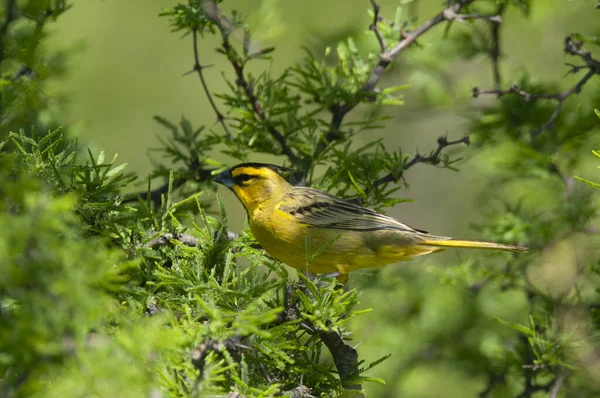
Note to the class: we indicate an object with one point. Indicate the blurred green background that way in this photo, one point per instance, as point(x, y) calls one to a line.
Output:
point(128, 67)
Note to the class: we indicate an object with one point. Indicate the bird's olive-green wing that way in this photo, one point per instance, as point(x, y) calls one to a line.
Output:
point(319, 209)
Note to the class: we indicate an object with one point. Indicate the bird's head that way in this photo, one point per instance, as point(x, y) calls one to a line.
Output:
point(254, 183)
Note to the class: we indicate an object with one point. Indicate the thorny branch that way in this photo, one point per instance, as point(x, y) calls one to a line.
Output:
point(186, 239)
point(199, 68)
point(557, 385)
point(434, 159)
point(572, 47)
point(225, 29)
point(386, 57)
point(495, 51)
point(453, 16)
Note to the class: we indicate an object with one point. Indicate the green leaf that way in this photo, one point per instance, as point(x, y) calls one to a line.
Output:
point(515, 326)
point(116, 170)
point(393, 89)
point(588, 182)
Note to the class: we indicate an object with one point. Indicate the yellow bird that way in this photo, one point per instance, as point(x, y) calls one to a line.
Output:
point(341, 236)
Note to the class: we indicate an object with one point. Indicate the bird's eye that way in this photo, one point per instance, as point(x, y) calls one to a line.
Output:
point(243, 179)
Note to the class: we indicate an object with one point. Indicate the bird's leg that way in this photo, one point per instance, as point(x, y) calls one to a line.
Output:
point(342, 273)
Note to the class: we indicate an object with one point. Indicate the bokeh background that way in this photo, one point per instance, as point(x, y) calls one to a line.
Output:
point(128, 67)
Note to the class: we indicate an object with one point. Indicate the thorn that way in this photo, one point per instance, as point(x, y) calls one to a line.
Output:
point(197, 68)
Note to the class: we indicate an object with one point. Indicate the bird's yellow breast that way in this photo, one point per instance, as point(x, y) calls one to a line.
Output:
point(286, 238)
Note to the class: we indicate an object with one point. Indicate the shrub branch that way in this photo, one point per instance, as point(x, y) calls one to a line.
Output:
point(225, 30)
point(572, 47)
point(199, 68)
point(385, 59)
point(434, 158)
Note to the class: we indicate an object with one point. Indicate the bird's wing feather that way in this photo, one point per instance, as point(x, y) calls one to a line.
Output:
point(319, 209)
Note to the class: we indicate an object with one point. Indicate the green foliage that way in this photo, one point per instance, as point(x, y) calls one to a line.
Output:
point(526, 147)
point(299, 113)
point(110, 293)
point(96, 183)
point(55, 286)
point(225, 323)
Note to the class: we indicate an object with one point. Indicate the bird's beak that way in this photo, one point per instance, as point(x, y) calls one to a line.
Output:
point(225, 179)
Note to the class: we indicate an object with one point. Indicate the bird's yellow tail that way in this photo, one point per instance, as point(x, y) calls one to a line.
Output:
point(471, 244)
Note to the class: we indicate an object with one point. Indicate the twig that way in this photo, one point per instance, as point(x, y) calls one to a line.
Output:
point(225, 29)
point(199, 68)
point(495, 52)
point(299, 392)
point(571, 47)
point(186, 239)
point(453, 16)
point(375, 28)
point(557, 385)
point(434, 159)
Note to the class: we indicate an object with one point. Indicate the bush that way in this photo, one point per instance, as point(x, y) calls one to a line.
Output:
point(111, 293)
